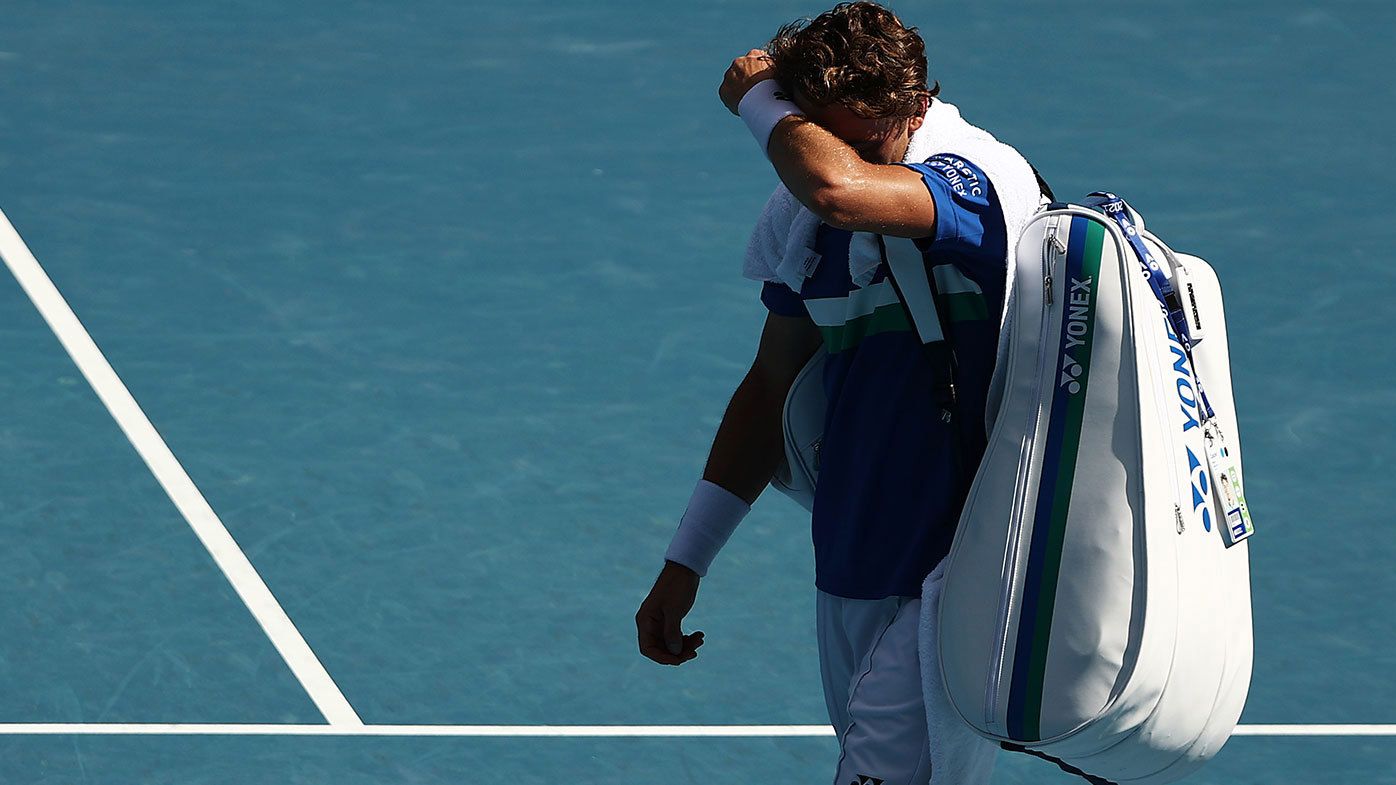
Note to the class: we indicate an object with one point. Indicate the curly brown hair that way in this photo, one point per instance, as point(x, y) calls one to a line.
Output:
point(859, 55)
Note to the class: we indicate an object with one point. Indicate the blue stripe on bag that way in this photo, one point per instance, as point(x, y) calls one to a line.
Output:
point(1047, 483)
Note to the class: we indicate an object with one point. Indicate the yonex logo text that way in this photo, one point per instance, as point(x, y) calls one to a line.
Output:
point(1187, 397)
point(1078, 312)
point(959, 173)
point(1077, 325)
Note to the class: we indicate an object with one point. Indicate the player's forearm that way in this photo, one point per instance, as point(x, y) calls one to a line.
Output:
point(749, 443)
point(844, 190)
point(821, 170)
point(824, 172)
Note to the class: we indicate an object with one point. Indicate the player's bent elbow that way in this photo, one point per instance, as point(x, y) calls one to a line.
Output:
point(836, 205)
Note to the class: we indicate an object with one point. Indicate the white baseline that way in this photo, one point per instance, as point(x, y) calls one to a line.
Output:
point(545, 731)
point(172, 477)
point(342, 719)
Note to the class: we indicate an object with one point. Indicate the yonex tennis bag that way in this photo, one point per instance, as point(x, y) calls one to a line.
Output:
point(1096, 603)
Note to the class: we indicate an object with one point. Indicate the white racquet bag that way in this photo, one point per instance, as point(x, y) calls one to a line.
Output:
point(1096, 605)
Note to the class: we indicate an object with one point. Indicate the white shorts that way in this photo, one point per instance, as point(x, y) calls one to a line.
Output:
point(872, 687)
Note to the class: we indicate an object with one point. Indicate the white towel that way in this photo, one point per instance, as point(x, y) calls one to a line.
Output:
point(781, 247)
point(959, 756)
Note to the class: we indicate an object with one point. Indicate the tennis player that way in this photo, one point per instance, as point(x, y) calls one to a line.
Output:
point(835, 102)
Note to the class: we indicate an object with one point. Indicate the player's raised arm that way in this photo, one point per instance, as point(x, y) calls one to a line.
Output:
point(836, 162)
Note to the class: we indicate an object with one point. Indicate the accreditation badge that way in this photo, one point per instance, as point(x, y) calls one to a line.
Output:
point(1226, 486)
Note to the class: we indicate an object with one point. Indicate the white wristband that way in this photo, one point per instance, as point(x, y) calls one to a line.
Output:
point(712, 515)
point(764, 105)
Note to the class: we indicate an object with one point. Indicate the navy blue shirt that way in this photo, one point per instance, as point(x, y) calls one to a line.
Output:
point(887, 502)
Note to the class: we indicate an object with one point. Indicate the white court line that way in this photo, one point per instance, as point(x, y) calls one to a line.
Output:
point(172, 477)
point(1315, 730)
point(584, 731)
point(274, 621)
point(544, 731)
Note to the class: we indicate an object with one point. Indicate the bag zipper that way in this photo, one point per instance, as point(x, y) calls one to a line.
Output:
point(1053, 249)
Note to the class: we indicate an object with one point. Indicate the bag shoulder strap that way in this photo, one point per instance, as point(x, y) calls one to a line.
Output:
point(910, 273)
point(915, 286)
point(1119, 210)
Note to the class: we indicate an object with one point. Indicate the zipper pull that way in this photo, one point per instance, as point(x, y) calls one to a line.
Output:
point(1050, 244)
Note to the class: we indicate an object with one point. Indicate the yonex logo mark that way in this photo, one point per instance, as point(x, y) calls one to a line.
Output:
point(1200, 490)
point(1071, 371)
point(864, 779)
point(1077, 325)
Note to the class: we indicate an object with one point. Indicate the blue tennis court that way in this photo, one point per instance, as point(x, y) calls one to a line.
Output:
point(435, 307)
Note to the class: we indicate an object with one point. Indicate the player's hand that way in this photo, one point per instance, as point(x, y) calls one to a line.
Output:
point(746, 71)
point(659, 617)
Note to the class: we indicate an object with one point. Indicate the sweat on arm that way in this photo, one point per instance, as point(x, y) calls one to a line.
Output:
point(846, 191)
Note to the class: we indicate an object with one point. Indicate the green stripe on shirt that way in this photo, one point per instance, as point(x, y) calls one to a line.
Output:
point(886, 319)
